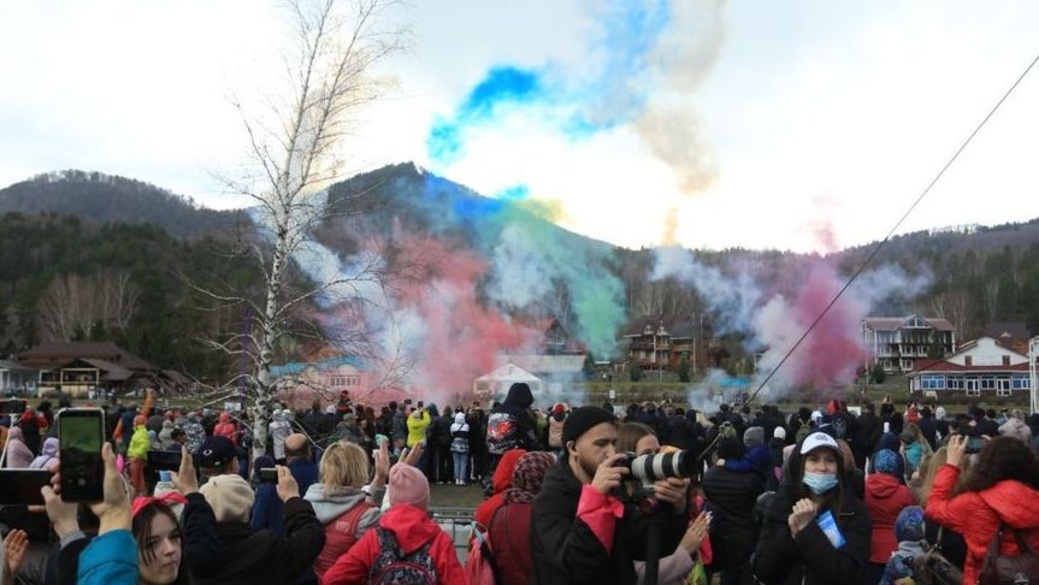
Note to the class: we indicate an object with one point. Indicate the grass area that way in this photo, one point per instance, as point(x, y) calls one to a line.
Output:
point(455, 496)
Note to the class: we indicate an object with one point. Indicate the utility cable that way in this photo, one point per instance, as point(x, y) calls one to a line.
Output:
point(880, 245)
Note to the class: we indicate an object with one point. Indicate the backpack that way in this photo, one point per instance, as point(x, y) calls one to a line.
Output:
point(998, 569)
point(502, 432)
point(480, 564)
point(802, 431)
point(392, 567)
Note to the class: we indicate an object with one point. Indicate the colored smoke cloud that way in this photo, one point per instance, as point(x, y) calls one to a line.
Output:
point(831, 354)
point(644, 63)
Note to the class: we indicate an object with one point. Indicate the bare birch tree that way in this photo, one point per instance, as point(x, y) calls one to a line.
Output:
point(295, 145)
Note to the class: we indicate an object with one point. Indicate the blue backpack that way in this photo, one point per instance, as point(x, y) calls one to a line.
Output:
point(393, 567)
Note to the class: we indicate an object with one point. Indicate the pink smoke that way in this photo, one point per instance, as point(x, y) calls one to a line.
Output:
point(832, 353)
point(461, 339)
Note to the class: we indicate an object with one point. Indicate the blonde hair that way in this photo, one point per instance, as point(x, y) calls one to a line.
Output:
point(934, 463)
point(344, 464)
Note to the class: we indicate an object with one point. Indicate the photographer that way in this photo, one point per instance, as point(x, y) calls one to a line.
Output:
point(580, 532)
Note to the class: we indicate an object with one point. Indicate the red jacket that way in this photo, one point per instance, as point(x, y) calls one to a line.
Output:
point(977, 515)
point(885, 498)
point(501, 481)
point(510, 541)
point(226, 428)
point(412, 528)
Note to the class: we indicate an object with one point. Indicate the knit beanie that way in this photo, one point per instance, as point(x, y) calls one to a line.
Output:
point(886, 461)
point(582, 419)
point(754, 436)
point(408, 485)
point(779, 433)
point(230, 496)
point(910, 524)
point(729, 448)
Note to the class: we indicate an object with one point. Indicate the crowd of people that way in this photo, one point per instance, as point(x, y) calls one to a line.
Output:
point(586, 494)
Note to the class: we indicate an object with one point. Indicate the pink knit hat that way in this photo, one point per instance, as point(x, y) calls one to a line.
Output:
point(408, 485)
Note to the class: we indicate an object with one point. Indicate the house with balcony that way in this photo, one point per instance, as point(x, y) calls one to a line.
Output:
point(661, 344)
point(898, 343)
point(980, 366)
point(77, 368)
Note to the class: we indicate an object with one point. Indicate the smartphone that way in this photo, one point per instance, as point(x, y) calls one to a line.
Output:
point(269, 474)
point(81, 434)
point(22, 486)
point(975, 444)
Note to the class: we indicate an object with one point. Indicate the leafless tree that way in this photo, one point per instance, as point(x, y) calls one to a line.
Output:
point(294, 156)
point(74, 304)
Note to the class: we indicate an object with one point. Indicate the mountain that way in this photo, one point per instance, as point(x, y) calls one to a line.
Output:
point(107, 199)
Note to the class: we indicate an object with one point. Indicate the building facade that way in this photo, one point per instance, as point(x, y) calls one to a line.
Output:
point(981, 366)
point(898, 343)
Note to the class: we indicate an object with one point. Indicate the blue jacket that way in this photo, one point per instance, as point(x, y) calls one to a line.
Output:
point(109, 559)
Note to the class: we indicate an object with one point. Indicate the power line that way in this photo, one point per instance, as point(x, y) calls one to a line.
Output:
point(880, 245)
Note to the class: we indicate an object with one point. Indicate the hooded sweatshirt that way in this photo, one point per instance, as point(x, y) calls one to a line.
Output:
point(512, 425)
point(460, 434)
point(139, 442)
point(412, 529)
point(501, 481)
point(166, 434)
point(885, 498)
point(19, 456)
point(226, 428)
point(346, 513)
point(48, 453)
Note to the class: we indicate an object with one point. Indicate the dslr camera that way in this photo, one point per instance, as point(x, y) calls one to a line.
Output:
point(651, 467)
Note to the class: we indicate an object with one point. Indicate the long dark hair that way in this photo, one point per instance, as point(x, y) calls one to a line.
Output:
point(1000, 459)
point(832, 500)
point(142, 524)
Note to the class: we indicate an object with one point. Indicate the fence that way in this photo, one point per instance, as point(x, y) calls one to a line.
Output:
point(456, 522)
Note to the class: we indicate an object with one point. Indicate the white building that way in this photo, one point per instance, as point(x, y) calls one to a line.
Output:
point(981, 365)
point(898, 343)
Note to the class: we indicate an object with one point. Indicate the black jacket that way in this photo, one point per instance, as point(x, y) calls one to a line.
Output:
point(564, 549)
point(231, 553)
point(734, 533)
point(810, 559)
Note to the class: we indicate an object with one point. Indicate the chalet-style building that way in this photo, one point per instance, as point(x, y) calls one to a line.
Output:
point(78, 367)
point(898, 343)
point(663, 343)
point(980, 366)
point(17, 378)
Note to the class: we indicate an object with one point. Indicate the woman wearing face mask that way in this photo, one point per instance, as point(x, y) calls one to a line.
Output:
point(814, 530)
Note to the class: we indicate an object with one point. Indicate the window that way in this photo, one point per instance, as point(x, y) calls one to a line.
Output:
point(932, 382)
point(971, 385)
point(973, 391)
point(338, 381)
point(1003, 384)
point(353, 380)
point(1020, 383)
point(968, 360)
point(988, 383)
point(1006, 360)
point(955, 383)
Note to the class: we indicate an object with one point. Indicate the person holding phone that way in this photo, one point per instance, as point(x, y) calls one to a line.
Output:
point(220, 546)
point(815, 530)
point(999, 493)
point(111, 557)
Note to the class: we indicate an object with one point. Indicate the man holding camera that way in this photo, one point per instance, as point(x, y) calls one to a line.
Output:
point(580, 531)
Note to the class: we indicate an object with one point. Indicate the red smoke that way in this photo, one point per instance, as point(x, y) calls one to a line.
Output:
point(461, 339)
point(833, 351)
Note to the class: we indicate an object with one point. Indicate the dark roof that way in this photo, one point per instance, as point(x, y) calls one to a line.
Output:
point(15, 366)
point(55, 353)
point(1016, 331)
point(894, 323)
point(676, 326)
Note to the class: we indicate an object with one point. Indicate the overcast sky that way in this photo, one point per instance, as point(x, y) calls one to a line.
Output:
point(794, 125)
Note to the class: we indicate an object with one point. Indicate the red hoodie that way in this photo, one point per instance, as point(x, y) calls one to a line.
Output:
point(885, 498)
point(412, 528)
point(501, 481)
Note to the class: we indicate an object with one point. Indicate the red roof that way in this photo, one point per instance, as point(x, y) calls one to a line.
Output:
point(932, 366)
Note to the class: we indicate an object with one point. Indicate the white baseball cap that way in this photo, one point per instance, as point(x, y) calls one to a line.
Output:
point(816, 440)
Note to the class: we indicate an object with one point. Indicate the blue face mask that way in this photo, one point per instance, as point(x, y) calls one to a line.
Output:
point(820, 483)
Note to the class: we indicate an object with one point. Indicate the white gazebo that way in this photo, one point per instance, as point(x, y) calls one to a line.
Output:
point(496, 383)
